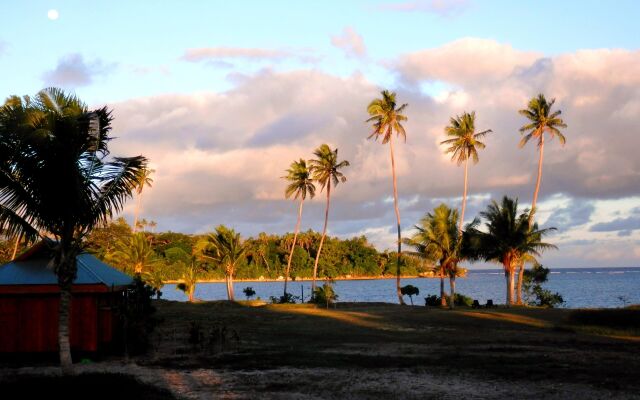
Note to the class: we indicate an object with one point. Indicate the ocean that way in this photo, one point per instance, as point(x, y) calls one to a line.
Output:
point(580, 288)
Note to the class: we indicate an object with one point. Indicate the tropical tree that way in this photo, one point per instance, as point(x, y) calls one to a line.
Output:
point(463, 144)
point(437, 237)
point(387, 119)
point(57, 181)
point(541, 120)
point(507, 238)
point(226, 249)
point(143, 180)
point(300, 186)
point(189, 278)
point(326, 170)
point(135, 254)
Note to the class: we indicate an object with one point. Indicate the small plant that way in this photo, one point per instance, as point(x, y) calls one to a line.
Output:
point(410, 291)
point(249, 292)
point(286, 299)
point(460, 300)
point(432, 300)
point(324, 294)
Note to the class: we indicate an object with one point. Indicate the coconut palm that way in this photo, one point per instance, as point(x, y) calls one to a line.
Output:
point(507, 238)
point(438, 238)
point(300, 186)
point(135, 254)
point(143, 180)
point(226, 249)
point(189, 278)
point(326, 170)
point(387, 119)
point(57, 182)
point(541, 120)
point(464, 144)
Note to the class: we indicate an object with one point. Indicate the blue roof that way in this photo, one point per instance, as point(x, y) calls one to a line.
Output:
point(37, 271)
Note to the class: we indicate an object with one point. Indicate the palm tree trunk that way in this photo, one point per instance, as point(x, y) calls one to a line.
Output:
point(443, 298)
point(464, 195)
point(135, 215)
point(293, 246)
point(508, 282)
point(395, 204)
point(452, 284)
point(64, 319)
point(519, 288)
point(511, 286)
point(15, 248)
point(535, 193)
point(324, 234)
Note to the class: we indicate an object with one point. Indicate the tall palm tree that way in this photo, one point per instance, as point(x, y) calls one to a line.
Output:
point(541, 120)
point(300, 186)
point(438, 238)
point(135, 254)
point(326, 170)
point(56, 181)
point(143, 180)
point(507, 238)
point(387, 119)
point(464, 143)
point(225, 248)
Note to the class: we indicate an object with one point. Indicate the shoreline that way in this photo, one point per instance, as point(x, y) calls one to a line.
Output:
point(355, 278)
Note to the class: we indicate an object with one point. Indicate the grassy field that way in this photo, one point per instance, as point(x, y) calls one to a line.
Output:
point(249, 350)
point(597, 352)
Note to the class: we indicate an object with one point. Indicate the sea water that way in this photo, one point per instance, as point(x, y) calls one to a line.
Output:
point(579, 287)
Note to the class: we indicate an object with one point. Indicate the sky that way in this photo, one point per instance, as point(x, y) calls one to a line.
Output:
point(222, 96)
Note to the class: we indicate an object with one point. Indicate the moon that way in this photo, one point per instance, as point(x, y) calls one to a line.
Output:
point(53, 15)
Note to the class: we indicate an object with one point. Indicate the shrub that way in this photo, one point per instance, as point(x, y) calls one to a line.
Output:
point(324, 294)
point(249, 292)
point(137, 314)
point(410, 290)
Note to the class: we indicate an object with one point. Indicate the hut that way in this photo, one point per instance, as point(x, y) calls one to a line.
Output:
point(30, 297)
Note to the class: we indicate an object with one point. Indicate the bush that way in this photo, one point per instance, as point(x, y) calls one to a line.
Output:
point(410, 290)
point(324, 294)
point(460, 300)
point(287, 298)
point(249, 292)
point(137, 314)
point(534, 293)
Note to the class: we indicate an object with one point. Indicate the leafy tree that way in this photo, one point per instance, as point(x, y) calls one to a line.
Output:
point(144, 179)
point(135, 254)
point(387, 119)
point(541, 120)
point(300, 185)
point(463, 144)
point(249, 292)
point(102, 240)
point(535, 294)
point(56, 181)
point(226, 249)
point(326, 170)
point(410, 290)
point(507, 238)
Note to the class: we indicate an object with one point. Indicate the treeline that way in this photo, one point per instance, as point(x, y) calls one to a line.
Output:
point(163, 256)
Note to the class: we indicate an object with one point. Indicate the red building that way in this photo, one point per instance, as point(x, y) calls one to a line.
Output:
point(30, 297)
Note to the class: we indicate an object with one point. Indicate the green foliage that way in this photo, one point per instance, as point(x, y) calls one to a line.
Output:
point(464, 142)
point(287, 298)
point(410, 290)
point(460, 300)
point(534, 293)
point(325, 294)
point(249, 292)
point(138, 319)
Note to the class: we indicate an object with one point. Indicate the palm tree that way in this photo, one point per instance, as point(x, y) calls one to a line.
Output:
point(300, 186)
point(225, 248)
point(541, 120)
point(464, 143)
point(438, 238)
point(507, 238)
point(189, 278)
point(325, 169)
point(135, 254)
point(387, 119)
point(57, 182)
point(143, 180)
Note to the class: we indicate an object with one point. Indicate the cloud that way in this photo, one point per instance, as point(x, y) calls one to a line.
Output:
point(220, 156)
point(619, 224)
point(443, 8)
point(222, 56)
point(73, 71)
point(350, 42)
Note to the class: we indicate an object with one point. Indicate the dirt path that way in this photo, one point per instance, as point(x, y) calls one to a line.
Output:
point(330, 383)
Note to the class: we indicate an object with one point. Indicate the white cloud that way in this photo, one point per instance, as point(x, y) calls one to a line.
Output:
point(350, 42)
point(73, 71)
